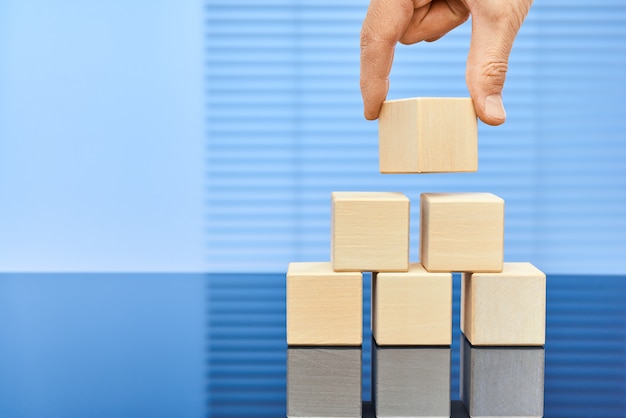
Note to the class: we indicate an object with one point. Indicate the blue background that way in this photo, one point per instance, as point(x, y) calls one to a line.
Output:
point(206, 136)
point(102, 136)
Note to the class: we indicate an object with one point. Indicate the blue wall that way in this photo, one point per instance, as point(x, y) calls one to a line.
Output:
point(208, 135)
point(101, 136)
point(286, 129)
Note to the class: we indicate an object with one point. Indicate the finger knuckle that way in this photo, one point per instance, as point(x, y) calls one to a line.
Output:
point(495, 72)
point(372, 41)
point(409, 39)
point(366, 40)
point(463, 16)
point(460, 14)
point(459, 11)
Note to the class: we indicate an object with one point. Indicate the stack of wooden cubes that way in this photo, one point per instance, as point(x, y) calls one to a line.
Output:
point(502, 304)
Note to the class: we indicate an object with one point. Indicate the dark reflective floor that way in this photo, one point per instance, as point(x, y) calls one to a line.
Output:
point(585, 352)
point(186, 345)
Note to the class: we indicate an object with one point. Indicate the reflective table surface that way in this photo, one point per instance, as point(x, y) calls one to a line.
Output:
point(213, 345)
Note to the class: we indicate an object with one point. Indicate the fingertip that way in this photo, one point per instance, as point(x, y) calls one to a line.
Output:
point(374, 94)
point(371, 112)
point(493, 110)
point(370, 116)
point(490, 120)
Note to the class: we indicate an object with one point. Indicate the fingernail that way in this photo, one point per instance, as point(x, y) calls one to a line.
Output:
point(494, 107)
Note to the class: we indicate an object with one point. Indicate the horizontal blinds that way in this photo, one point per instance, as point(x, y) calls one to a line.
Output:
point(581, 198)
point(285, 129)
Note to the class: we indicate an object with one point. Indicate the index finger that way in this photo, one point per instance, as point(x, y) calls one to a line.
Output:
point(384, 24)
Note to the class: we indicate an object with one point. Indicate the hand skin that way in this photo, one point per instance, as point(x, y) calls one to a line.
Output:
point(495, 24)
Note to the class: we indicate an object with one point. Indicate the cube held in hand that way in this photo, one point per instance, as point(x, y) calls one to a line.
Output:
point(428, 135)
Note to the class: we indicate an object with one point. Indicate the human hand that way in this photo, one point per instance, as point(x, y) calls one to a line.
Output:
point(495, 24)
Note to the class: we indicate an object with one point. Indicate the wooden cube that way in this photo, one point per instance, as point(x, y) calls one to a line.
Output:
point(324, 307)
point(324, 382)
point(412, 308)
point(462, 232)
point(502, 382)
point(428, 135)
point(370, 231)
point(411, 381)
point(507, 308)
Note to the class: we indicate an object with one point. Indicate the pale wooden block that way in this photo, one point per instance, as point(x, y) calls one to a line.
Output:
point(412, 308)
point(411, 381)
point(507, 308)
point(461, 232)
point(428, 135)
point(370, 231)
point(502, 382)
point(324, 382)
point(324, 307)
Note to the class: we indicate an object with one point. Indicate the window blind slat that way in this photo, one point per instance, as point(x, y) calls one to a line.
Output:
point(285, 129)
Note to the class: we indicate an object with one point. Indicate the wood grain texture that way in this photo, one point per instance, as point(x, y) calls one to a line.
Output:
point(324, 307)
point(370, 231)
point(461, 232)
point(324, 382)
point(507, 308)
point(502, 382)
point(411, 381)
point(412, 308)
point(428, 135)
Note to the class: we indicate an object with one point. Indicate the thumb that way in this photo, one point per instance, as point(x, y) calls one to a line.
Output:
point(494, 27)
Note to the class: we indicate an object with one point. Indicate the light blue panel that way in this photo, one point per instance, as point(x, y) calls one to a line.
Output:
point(286, 129)
point(102, 136)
